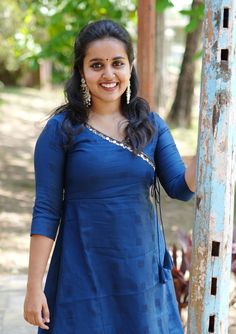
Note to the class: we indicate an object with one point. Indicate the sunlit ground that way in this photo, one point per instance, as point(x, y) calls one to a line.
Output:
point(21, 119)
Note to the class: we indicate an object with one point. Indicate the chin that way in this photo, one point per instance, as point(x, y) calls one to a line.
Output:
point(110, 99)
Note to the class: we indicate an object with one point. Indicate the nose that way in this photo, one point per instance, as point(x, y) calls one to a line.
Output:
point(108, 72)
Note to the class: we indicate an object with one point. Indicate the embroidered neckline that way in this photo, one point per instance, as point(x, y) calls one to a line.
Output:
point(119, 143)
point(104, 135)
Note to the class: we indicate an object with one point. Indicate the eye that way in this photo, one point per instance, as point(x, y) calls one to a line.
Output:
point(96, 66)
point(118, 63)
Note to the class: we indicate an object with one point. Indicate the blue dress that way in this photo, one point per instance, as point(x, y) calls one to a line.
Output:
point(94, 200)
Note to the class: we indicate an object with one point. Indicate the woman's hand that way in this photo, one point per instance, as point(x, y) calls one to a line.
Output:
point(36, 310)
point(35, 307)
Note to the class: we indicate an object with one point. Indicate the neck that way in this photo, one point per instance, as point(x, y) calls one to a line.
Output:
point(106, 108)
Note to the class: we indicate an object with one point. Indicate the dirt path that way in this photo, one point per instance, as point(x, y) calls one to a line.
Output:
point(20, 116)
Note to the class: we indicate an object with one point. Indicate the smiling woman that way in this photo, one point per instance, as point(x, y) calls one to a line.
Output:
point(95, 162)
point(103, 68)
point(106, 78)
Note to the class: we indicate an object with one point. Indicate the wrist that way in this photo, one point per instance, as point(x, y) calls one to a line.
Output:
point(34, 284)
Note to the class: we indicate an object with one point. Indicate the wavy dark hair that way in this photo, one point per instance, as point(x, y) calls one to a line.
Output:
point(139, 130)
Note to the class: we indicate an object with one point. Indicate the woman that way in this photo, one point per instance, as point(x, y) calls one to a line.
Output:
point(94, 166)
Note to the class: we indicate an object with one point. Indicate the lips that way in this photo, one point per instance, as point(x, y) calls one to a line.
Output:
point(109, 86)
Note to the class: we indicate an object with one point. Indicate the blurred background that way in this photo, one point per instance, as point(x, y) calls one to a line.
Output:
point(36, 39)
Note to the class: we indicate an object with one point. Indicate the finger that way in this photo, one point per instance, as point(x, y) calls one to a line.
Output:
point(26, 316)
point(29, 317)
point(42, 325)
point(46, 313)
point(33, 319)
point(39, 322)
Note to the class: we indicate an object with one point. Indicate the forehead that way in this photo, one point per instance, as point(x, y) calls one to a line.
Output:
point(106, 48)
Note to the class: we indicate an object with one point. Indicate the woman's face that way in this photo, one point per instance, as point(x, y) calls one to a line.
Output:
point(106, 70)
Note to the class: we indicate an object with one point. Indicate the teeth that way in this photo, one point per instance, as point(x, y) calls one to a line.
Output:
point(111, 85)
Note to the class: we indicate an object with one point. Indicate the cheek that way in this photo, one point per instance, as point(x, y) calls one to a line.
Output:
point(91, 77)
point(125, 76)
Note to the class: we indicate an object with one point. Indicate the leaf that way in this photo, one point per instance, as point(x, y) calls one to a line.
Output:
point(102, 11)
point(197, 55)
point(191, 26)
point(162, 5)
point(195, 14)
point(186, 12)
point(200, 11)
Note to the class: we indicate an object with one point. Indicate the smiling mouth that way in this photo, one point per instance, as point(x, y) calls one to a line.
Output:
point(109, 85)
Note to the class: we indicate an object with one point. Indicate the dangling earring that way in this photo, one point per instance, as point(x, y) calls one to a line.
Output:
point(128, 93)
point(85, 92)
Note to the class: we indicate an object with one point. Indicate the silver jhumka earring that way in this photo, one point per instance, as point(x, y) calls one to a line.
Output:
point(85, 92)
point(128, 93)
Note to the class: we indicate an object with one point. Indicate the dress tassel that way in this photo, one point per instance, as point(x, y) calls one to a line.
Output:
point(163, 274)
point(164, 269)
point(168, 262)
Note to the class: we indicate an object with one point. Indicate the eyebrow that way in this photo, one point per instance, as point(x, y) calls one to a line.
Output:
point(100, 59)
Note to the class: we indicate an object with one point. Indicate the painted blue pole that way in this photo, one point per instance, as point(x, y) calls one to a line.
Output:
point(213, 227)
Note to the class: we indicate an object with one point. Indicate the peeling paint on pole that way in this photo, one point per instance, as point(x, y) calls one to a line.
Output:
point(212, 232)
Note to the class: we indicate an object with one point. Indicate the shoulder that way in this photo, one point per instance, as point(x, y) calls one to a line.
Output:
point(53, 130)
point(55, 123)
point(158, 122)
point(57, 119)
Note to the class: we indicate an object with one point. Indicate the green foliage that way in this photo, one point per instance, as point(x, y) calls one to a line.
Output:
point(198, 55)
point(10, 19)
point(195, 14)
point(63, 21)
point(46, 29)
point(162, 5)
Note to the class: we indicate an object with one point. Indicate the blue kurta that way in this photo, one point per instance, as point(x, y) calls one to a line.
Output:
point(94, 199)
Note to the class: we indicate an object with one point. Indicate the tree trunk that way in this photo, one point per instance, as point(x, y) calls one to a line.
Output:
point(181, 110)
point(160, 63)
point(146, 49)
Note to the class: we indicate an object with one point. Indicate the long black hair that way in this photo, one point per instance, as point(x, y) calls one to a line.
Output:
point(139, 130)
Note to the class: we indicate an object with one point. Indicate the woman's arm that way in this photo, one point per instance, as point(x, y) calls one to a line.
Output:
point(190, 174)
point(170, 166)
point(49, 163)
point(36, 310)
point(40, 249)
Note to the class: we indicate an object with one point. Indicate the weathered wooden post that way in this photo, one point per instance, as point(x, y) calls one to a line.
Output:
point(146, 49)
point(212, 234)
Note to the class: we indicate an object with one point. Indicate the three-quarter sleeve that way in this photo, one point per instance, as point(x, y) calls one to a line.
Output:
point(49, 163)
point(169, 164)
